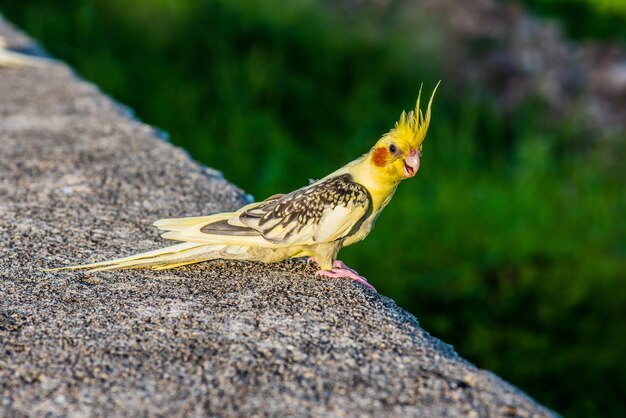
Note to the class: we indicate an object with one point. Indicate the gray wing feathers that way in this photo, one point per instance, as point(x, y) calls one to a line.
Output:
point(322, 212)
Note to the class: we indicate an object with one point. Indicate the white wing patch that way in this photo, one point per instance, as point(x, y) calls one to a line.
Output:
point(322, 212)
point(336, 223)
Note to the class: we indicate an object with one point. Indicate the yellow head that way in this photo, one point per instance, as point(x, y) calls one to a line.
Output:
point(397, 154)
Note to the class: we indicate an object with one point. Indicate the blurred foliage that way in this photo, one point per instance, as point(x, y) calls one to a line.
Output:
point(599, 19)
point(509, 243)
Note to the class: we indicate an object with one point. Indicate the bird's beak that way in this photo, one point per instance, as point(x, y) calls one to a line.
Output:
point(411, 163)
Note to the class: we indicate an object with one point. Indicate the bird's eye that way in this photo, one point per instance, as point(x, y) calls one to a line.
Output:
point(393, 148)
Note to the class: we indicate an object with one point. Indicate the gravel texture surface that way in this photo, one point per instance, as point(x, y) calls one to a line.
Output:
point(81, 181)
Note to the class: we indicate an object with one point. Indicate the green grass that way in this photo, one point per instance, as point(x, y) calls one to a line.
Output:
point(509, 243)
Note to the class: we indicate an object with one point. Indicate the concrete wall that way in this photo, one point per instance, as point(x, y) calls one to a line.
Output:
point(82, 181)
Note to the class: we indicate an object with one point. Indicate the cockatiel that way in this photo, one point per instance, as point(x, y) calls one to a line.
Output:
point(14, 59)
point(316, 220)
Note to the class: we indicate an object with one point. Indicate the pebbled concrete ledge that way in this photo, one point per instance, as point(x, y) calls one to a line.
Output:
point(80, 180)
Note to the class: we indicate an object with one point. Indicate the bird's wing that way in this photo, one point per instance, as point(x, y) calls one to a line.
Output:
point(323, 212)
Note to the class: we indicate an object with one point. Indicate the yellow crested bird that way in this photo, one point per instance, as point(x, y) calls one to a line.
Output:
point(15, 59)
point(315, 221)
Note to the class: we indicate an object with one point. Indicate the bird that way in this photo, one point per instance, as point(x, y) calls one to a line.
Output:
point(314, 221)
point(13, 59)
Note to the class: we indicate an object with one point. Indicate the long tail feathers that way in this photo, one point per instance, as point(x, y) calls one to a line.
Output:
point(166, 258)
point(192, 250)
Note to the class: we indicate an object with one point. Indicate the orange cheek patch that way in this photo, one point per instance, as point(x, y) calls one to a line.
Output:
point(380, 156)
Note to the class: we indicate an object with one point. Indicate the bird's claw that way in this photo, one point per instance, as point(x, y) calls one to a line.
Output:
point(338, 264)
point(341, 270)
point(346, 273)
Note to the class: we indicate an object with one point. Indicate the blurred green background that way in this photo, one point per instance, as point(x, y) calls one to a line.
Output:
point(510, 244)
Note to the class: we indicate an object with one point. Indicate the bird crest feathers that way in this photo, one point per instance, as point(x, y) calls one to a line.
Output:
point(413, 126)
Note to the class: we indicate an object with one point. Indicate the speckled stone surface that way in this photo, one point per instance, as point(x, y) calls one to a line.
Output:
point(81, 181)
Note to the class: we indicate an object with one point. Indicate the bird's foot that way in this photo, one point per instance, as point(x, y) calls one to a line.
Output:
point(340, 270)
point(337, 264)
